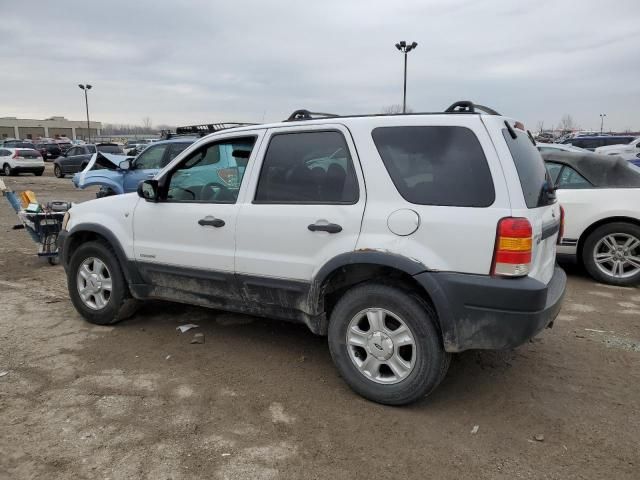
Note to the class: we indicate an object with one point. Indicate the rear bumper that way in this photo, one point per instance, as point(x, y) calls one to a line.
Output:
point(28, 168)
point(483, 312)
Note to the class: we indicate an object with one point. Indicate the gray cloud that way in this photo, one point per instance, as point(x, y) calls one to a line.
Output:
point(198, 61)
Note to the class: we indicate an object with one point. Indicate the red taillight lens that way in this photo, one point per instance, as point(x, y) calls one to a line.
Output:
point(512, 255)
point(561, 231)
point(15, 154)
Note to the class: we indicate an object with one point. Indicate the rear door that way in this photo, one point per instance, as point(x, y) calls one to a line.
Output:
point(532, 194)
point(304, 206)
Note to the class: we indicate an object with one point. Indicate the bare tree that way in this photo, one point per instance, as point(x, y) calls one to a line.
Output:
point(146, 124)
point(567, 123)
point(395, 108)
point(540, 126)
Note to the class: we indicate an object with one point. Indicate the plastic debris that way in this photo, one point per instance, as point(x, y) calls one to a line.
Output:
point(475, 429)
point(198, 338)
point(226, 454)
point(187, 327)
point(3, 373)
point(538, 437)
point(167, 357)
point(594, 330)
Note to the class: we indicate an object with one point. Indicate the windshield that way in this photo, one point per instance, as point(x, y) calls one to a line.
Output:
point(115, 149)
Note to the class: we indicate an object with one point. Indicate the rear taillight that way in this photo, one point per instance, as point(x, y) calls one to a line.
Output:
point(512, 255)
point(561, 231)
point(16, 155)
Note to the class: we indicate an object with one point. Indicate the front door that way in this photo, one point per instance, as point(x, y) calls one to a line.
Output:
point(304, 208)
point(144, 167)
point(185, 243)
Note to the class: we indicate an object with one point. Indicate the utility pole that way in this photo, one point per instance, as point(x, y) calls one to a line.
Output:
point(86, 88)
point(404, 48)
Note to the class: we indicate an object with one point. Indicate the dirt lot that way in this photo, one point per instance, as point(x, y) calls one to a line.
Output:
point(261, 399)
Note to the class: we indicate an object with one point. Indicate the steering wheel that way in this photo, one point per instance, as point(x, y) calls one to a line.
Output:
point(209, 192)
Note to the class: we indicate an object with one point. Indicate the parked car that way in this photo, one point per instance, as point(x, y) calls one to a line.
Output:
point(18, 144)
point(559, 147)
point(48, 150)
point(435, 255)
point(591, 143)
point(78, 156)
point(107, 171)
point(21, 160)
point(629, 151)
point(600, 196)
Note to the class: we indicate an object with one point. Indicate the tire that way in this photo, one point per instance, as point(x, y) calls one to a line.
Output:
point(429, 360)
point(57, 171)
point(6, 169)
point(597, 244)
point(119, 304)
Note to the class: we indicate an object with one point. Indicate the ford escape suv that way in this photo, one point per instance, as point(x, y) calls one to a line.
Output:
point(403, 238)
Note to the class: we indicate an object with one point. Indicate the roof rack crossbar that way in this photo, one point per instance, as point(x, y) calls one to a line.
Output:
point(465, 106)
point(304, 114)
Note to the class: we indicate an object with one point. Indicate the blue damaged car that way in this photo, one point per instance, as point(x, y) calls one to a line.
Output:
point(116, 174)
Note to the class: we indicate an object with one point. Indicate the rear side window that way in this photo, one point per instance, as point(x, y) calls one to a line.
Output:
point(307, 167)
point(436, 165)
point(535, 181)
point(115, 149)
point(28, 153)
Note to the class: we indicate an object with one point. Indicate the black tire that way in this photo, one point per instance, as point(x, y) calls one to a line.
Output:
point(57, 171)
point(6, 169)
point(120, 304)
point(431, 361)
point(591, 242)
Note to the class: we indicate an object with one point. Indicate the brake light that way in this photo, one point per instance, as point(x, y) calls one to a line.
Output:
point(16, 154)
point(561, 231)
point(512, 255)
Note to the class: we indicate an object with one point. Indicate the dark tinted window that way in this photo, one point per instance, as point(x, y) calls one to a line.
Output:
point(29, 153)
point(536, 183)
point(72, 151)
point(436, 165)
point(307, 167)
point(617, 140)
point(91, 148)
point(586, 142)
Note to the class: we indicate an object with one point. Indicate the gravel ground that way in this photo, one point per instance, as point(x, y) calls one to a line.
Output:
point(261, 399)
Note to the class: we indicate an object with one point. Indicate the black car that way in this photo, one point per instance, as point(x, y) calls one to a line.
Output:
point(49, 151)
point(76, 158)
point(591, 143)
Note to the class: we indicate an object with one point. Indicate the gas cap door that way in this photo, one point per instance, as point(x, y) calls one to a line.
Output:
point(403, 222)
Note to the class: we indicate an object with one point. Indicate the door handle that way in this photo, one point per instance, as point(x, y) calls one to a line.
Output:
point(211, 222)
point(328, 227)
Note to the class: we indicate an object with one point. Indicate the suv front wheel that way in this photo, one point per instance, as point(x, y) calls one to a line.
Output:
point(97, 285)
point(385, 344)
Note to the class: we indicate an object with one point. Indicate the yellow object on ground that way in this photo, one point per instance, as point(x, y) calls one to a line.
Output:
point(27, 197)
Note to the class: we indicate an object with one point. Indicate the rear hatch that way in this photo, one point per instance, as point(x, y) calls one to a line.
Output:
point(27, 154)
point(539, 204)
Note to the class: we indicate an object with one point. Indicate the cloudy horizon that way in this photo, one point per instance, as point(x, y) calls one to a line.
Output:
point(204, 61)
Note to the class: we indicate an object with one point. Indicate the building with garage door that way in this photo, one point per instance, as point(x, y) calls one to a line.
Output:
point(54, 127)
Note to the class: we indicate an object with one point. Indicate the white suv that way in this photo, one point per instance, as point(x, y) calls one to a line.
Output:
point(18, 160)
point(404, 238)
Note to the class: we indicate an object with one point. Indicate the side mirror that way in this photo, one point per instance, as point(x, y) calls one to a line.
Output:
point(148, 190)
point(125, 165)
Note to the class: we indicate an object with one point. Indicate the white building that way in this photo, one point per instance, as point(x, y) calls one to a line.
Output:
point(25, 128)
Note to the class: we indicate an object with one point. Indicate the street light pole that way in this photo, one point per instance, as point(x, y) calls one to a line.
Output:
point(602, 115)
point(86, 88)
point(404, 48)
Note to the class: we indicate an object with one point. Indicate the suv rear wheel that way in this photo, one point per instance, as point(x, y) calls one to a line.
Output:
point(385, 344)
point(611, 254)
point(7, 169)
point(97, 286)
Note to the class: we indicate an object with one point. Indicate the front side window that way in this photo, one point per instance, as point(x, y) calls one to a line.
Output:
point(307, 168)
point(554, 171)
point(569, 178)
point(438, 165)
point(211, 174)
point(72, 152)
point(151, 158)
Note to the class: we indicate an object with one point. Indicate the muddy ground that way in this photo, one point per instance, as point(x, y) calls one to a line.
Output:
point(261, 399)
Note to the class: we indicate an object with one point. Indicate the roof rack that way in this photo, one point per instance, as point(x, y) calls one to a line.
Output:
point(465, 106)
point(303, 114)
point(202, 130)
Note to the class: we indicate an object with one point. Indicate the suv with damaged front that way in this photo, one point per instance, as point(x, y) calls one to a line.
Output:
point(403, 238)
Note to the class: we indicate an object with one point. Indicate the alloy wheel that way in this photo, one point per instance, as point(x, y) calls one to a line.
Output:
point(94, 283)
point(618, 255)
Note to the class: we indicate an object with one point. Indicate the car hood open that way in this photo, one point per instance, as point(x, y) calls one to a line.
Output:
point(99, 161)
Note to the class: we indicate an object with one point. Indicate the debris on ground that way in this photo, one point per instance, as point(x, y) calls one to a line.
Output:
point(186, 327)
point(3, 373)
point(226, 454)
point(594, 330)
point(198, 338)
point(538, 437)
point(167, 357)
point(475, 429)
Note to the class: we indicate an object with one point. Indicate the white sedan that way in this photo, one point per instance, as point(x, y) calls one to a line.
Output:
point(600, 196)
point(630, 151)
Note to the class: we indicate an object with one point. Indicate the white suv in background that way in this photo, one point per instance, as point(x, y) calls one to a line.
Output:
point(21, 160)
point(404, 238)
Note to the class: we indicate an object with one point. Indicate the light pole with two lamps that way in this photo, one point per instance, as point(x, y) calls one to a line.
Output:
point(405, 48)
point(602, 115)
point(86, 88)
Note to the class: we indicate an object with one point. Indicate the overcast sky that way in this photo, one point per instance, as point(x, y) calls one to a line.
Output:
point(192, 61)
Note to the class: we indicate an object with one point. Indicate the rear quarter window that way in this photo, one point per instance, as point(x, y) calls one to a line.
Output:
point(436, 165)
point(537, 187)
